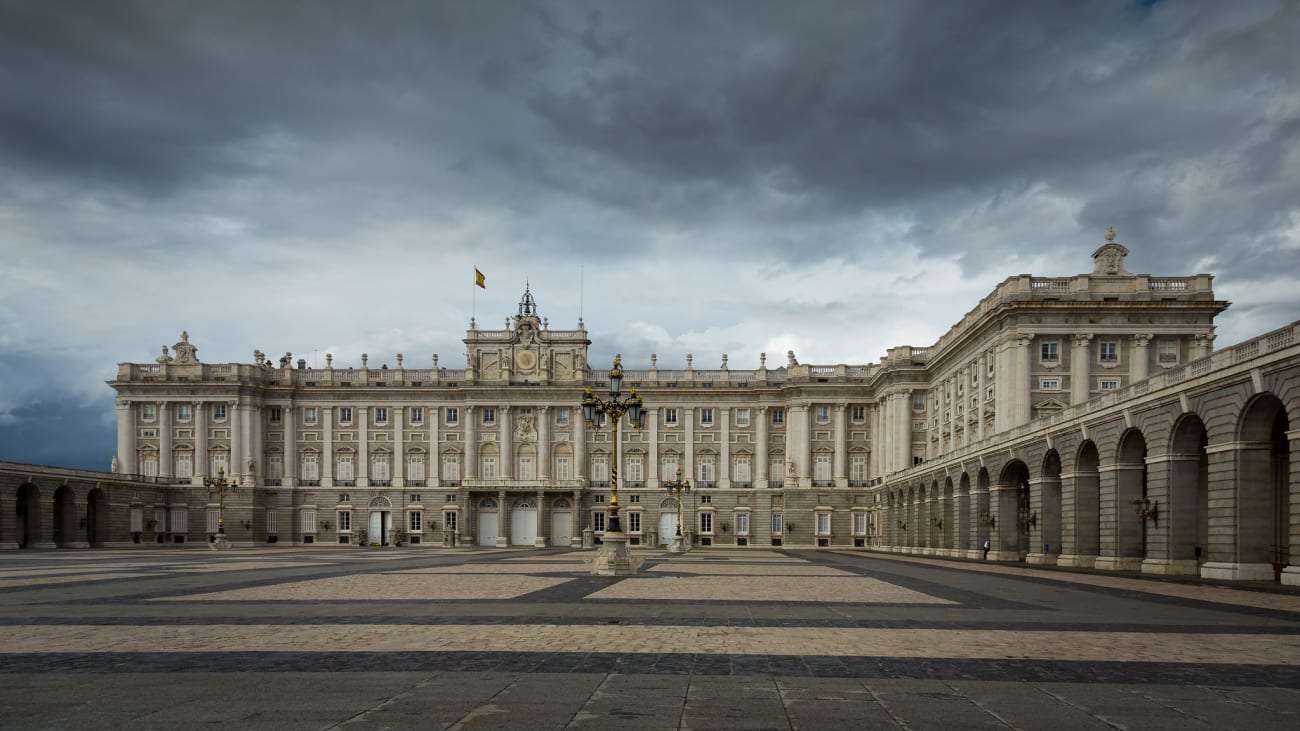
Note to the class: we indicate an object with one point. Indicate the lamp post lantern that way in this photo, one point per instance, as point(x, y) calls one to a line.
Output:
point(613, 559)
point(220, 485)
point(678, 488)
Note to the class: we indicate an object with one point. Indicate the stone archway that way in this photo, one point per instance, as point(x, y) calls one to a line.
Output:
point(983, 509)
point(1130, 492)
point(1263, 490)
point(27, 518)
point(1187, 501)
point(1082, 493)
point(1045, 505)
point(947, 525)
point(65, 517)
point(96, 518)
point(964, 515)
point(1013, 512)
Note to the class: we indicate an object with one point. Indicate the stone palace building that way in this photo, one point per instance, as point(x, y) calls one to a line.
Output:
point(1082, 420)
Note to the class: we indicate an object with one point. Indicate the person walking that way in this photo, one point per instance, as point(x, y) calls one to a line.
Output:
point(986, 549)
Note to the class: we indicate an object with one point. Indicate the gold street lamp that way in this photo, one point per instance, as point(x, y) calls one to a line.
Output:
point(678, 488)
point(613, 559)
point(220, 485)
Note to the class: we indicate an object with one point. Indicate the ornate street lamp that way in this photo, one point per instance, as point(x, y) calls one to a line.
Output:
point(678, 488)
point(613, 559)
point(220, 485)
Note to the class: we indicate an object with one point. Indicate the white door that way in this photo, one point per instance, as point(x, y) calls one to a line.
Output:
point(667, 528)
point(380, 522)
point(487, 529)
point(561, 529)
point(523, 526)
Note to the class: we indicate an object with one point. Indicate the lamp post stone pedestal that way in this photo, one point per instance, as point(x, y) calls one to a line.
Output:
point(612, 558)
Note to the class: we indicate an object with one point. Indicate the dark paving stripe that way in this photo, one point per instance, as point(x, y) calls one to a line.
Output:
point(1037, 671)
point(657, 621)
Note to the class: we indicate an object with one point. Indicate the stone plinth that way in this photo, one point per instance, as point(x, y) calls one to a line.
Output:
point(613, 558)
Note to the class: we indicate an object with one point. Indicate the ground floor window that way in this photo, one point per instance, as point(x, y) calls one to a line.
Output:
point(778, 524)
point(823, 524)
point(415, 521)
point(634, 522)
point(449, 519)
point(742, 524)
point(706, 522)
point(345, 520)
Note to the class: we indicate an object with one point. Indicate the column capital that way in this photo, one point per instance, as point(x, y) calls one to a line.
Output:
point(543, 409)
point(1143, 339)
point(1024, 340)
point(1082, 340)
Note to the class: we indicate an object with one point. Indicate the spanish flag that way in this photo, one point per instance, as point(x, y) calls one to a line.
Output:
point(479, 279)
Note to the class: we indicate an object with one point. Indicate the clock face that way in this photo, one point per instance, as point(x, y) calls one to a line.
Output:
point(526, 359)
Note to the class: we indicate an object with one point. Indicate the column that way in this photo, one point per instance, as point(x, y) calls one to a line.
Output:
point(200, 443)
point(981, 385)
point(471, 444)
point(236, 466)
point(688, 449)
point(805, 447)
point(904, 445)
point(544, 445)
point(1140, 358)
point(841, 473)
point(884, 437)
point(504, 437)
point(1080, 378)
point(652, 428)
point(579, 457)
point(503, 520)
point(363, 446)
point(398, 470)
point(760, 447)
point(256, 446)
point(433, 470)
point(543, 521)
point(327, 447)
point(126, 456)
point(1204, 346)
point(1024, 347)
point(289, 413)
point(165, 464)
point(1005, 385)
point(967, 431)
point(724, 468)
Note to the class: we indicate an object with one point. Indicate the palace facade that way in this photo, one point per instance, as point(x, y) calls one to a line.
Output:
point(496, 453)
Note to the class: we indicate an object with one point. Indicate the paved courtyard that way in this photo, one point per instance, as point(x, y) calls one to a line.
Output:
point(410, 638)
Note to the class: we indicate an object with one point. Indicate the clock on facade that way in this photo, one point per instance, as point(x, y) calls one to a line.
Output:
point(526, 359)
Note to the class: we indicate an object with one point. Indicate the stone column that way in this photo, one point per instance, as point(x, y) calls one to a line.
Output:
point(579, 519)
point(201, 461)
point(505, 438)
point(327, 447)
point(503, 520)
point(471, 444)
point(363, 446)
point(884, 436)
point(543, 522)
point(166, 464)
point(1080, 377)
point(580, 470)
point(761, 447)
point(398, 470)
point(544, 445)
point(1140, 358)
point(841, 468)
point(1204, 346)
point(256, 444)
point(652, 469)
point(236, 466)
point(1024, 381)
point(904, 446)
point(981, 375)
point(289, 413)
point(724, 451)
point(126, 456)
point(433, 472)
point(688, 449)
point(1005, 385)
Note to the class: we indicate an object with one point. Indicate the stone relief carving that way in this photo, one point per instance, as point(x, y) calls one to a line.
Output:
point(525, 430)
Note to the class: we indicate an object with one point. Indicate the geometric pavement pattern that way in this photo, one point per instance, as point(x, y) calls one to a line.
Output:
point(369, 637)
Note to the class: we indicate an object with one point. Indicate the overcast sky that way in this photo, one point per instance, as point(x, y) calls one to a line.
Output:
point(824, 177)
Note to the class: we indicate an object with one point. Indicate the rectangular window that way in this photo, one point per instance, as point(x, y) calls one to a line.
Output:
point(670, 469)
point(990, 360)
point(381, 414)
point(345, 414)
point(275, 414)
point(272, 522)
point(149, 412)
point(706, 417)
point(453, 415)
point(149, 464)
point(706, 499)
point(776, 471)
point(450, 520)
point(706, 522)
point(1168, 351)
point(220, 463)
point(823, 414)
point(527, 467)
point(310, 466)
point(180, 520)
point(600, 468)
point(380, 468)
point(742, 417)
point(489, 468)
point(778, 524)
point(451, 468)
point(741, 472)
point(858, 469)
point(708, 471)
point(918, 402)
point(635, 468)
point(1108, 384)
point(309, 415)
point(345, 521)
point(417, 415)
point(634, 522)
point(343, 468)
point(1108, 351)
point(778, 415)
point(184, 465)
point(183, 412)
point(415, 467)
point(742, 524)
point(858, 414)
point(1049, 351)
point(598, 521)
point(670, 417)
point(344, 497)
point(561, 417)
point(416, 521)
point(218, 412)
point(137, 520)
point(489, 415)
point(274, 466)
point(563, 468)
point(823, 524)
point(822, 468)
point(214, 520)
point(859, 524)
point(1049, 384)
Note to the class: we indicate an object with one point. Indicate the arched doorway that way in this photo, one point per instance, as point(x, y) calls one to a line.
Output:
point(1084, 491)
point(65, 517)
point(964, 514)
point(381, 520)
point(1263, 488)
point(523, 522)
point(1188, 510)
point(947, 525)
point(27, 521)
point(1013, 511)
point(667, 520)
point(1130, 499)
point(488, 523)
point(1049, 509)
point(96, 518)
point(983, 510)
point(562, 522)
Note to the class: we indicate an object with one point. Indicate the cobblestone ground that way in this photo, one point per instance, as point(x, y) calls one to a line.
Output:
point(524, 639)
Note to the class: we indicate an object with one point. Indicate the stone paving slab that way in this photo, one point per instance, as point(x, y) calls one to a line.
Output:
point(780, 588)
point(386, 587)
